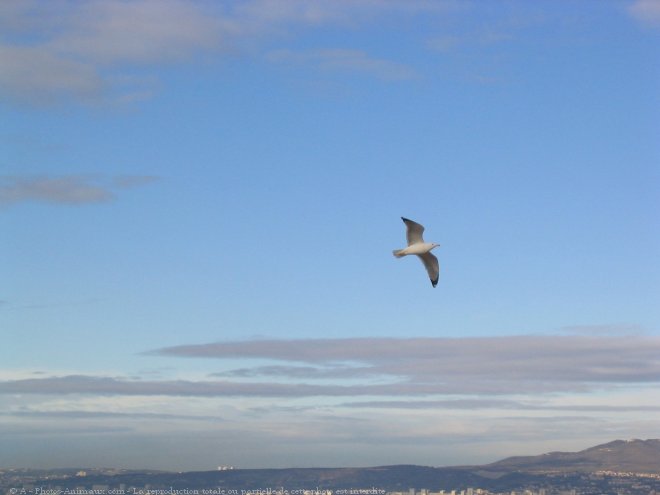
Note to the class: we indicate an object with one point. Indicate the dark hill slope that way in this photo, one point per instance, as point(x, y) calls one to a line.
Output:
point(641, 456)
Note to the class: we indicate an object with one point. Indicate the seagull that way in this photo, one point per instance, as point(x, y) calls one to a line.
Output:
point(416, 245)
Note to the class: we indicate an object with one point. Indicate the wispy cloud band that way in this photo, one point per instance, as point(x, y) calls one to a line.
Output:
point(79, 50)
point(353, 61)
point(69, 189)
point(552, 359)
point(388, 367)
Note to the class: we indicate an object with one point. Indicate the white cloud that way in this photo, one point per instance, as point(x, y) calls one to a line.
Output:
point(316, 437)
point(72, 49)
point(145, 31)
point(69, 189)
point(63, 190)
point(76, 415)
point(316, 423)
point(42, 76)
point(488, 366)
point(353, 61)
point(646, 11)
point(269, 14)
point(451, 42)
point(495, 364)
point(81, 49)
point(479, 404)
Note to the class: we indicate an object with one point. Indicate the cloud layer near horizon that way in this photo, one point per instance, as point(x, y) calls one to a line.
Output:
point(401, 397)
point(390, 367)
point(476, 365)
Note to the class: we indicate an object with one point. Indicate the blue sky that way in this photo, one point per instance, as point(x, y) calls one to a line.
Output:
point(200, 199)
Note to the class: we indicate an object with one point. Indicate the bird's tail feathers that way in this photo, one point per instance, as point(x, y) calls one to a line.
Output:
point(398, 253)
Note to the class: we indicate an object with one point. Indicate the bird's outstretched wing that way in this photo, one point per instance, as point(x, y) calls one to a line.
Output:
point(432, 267)
point(414, 231)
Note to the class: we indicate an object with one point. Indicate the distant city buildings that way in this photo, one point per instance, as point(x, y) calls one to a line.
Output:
point(115, 482)
point(480, 491)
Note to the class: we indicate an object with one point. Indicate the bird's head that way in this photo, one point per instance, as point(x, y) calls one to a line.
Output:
point(435, 245)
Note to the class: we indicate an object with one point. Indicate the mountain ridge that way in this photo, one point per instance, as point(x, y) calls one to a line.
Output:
point(642, 456)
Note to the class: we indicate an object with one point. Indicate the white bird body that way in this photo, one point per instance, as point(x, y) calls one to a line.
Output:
point(417, 246)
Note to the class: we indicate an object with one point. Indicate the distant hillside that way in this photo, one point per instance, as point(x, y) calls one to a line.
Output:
point(557, 470)
point(640, 456)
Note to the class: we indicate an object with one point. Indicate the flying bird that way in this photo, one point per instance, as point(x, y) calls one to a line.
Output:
point(416, 245)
